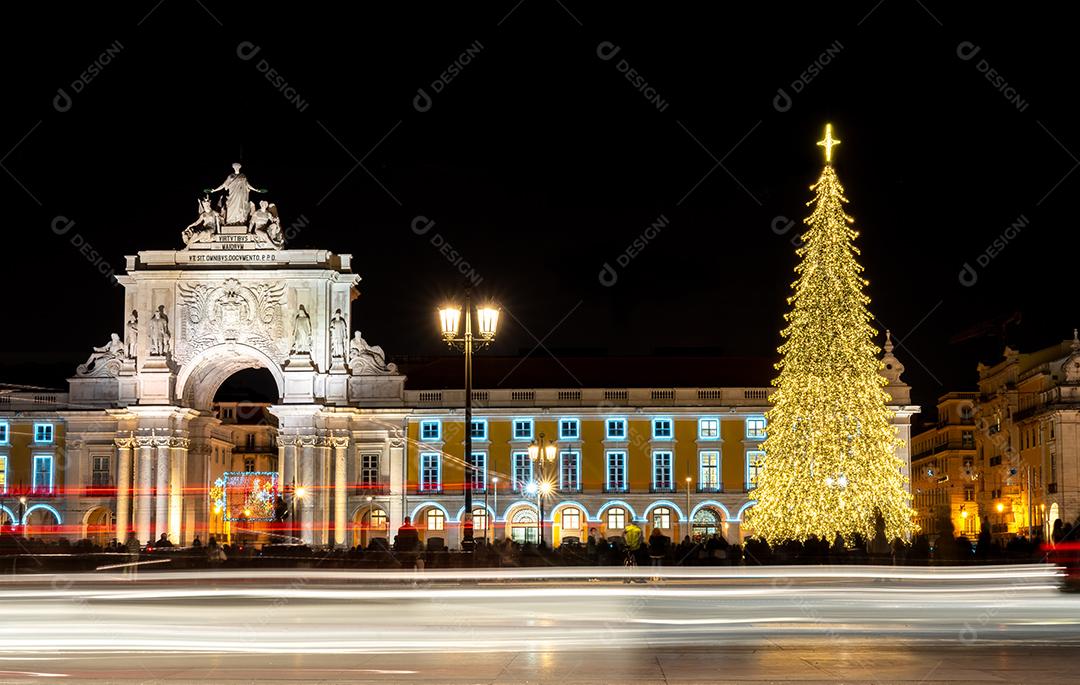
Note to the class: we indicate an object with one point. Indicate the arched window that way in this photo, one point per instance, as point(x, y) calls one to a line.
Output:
point(661, 518)
point(706, 523)
point(378, 519)
point(571, 519)
point(436, 520)
point(523, 526)
point(480, 522)
point(616, 518)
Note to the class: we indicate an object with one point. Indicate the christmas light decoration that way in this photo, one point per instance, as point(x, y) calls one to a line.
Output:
point(830, 461)
point(245, 495)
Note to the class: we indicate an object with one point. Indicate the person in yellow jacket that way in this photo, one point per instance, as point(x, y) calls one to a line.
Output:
point(632, 540)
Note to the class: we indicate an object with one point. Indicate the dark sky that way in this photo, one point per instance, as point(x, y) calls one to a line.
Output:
point(539, 162)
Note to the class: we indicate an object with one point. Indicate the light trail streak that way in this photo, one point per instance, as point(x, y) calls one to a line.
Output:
point(358, 612)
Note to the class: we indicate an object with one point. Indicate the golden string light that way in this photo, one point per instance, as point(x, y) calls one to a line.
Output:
point(830, 461)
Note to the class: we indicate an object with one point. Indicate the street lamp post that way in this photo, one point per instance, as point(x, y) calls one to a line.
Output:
point(495, 499)
point(541, 453)
point(688, 521)
point(487, 317)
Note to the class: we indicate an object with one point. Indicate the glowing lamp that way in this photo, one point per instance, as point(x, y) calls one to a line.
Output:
point(449, 322)
point(545, 488)
point(301, 491)
point(534, 451)
point(531, 488)
point(1000, 507)
point(963, 514)
point(488, 318)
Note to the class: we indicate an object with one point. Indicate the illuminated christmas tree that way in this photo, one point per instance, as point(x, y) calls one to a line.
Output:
point(830, 463)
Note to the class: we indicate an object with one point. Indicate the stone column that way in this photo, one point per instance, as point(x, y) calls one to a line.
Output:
point(341, 445)
point(161, 492)
point(306, 456)
point(177, 478)
point(734, 532)
point(142, 490)
point(161, 487)
point(123, 488)
point(322, 512)
point(396, 502)
point(282, 482)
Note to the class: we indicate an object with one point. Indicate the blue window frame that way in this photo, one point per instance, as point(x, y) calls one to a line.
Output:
point(430, 472)
point(569, 429)
point(663, 465)
point(3, 474)
point(5, 433)
point(43, 433)
point(43, 473)
point(616, 471)
point(430, 429)
point(708, 428)
point(755, 464)
point(663, 429)
point(521, 471)
point(615, 429)
point(478, 472)
point(479, 429)
point(570, 470)
point(523, 429)
point(755, 427)
point(709, 471)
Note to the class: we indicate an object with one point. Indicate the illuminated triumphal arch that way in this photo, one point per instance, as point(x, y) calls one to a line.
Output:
point(235, 297)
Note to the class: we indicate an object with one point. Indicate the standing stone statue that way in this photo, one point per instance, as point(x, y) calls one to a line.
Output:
point(131, 342)
point(237, 204)
point(158, 331)
point(302, 332)
point(339, 335)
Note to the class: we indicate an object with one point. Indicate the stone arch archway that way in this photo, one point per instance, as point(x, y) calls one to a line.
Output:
point(99, 525)
point(199, 379)
point(370, 521)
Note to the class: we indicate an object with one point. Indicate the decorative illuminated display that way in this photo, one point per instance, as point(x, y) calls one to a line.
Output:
point(245, 495)
point(830, 455)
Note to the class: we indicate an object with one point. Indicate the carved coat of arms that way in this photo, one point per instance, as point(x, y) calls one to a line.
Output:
point(249, 313)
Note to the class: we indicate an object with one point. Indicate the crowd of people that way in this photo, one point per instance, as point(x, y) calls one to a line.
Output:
point(632, 548)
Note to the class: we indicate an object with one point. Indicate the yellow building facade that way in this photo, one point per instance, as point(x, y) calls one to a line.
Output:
point(944, 479)
point(32, 469)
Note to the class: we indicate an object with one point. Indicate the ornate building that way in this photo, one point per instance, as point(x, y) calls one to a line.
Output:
point(1029, 439)
point(944, 478)
point(139, 445)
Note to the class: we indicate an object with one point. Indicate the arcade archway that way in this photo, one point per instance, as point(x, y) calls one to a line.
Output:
point(99, 526)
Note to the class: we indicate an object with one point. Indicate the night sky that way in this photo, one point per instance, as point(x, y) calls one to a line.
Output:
point(539, 162)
